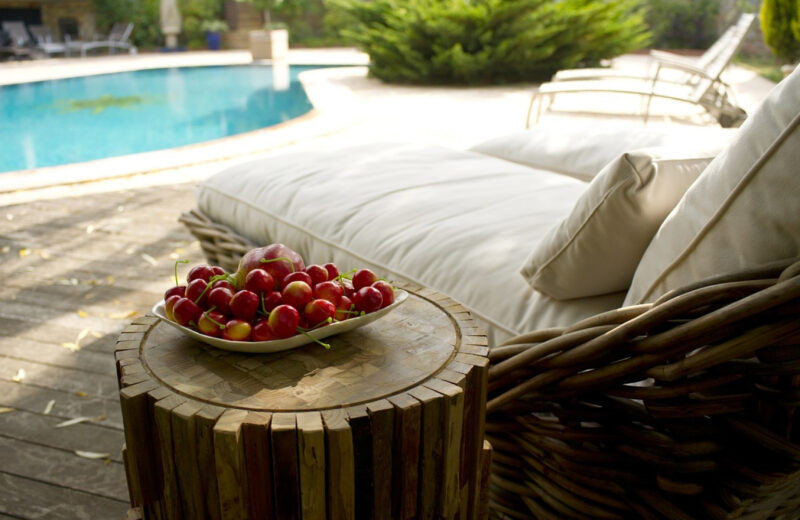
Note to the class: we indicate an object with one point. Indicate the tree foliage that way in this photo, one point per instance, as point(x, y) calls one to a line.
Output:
point(490, 41)
point(780, 23)
point(683, 24)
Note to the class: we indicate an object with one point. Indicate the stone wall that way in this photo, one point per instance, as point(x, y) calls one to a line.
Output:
point(80, 10)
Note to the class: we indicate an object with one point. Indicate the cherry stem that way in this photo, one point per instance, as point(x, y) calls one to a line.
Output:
point(325, 321)
point(212, 320)
point(315, 340)
point(346, 276)
point(185, 261)
point(263, 310)
point(285, 258)
point(215, 278)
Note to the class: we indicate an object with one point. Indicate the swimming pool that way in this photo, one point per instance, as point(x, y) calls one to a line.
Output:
point(65, 121)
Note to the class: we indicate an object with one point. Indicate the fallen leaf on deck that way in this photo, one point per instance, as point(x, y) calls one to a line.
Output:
point(82, 314)
point(5, 249)
point(45, 255)
point(72, 422)
point(82, 334)
point(9, 216)
point(92, 454)
point(19, 377)
point(24, 252)
point(110, 280)
point(49, 407)
point(149, 259)
point(81, 394)
point(5, 409)
point(89, 229)
point(72, 347)
point(96, 334)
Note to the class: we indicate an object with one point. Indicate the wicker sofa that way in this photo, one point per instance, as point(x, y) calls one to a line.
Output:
point(662, 373)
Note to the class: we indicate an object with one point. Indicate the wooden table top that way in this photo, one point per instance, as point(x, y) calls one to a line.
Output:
point(393, 354)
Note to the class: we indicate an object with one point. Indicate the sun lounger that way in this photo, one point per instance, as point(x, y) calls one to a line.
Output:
point(46, 42)
point(21, 46)
point(701, 83)
point(118, 38)
point(722, 51)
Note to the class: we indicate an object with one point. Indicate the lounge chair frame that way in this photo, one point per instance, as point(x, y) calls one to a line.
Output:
point(703, 85)
point(118, 38)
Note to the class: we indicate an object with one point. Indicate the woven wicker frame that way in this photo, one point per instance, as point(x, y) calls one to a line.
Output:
point(680, 409)
point(221, 245)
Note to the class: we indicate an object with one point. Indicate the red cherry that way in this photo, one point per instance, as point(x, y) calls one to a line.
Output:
point(331, 291)
point(201, 272)
point(169, 305)
point(258, 281)
point(297, 276)
point(186, 312)
point(244, 305)
point(297, 294)
point(180, 290)
point(195, 289)
point(317, 273)
point(318, 312)
point(271, 300)
point(363, 278)
point(220, 299)
point(218, 271)
point(237, 330)
point(209, 323)
point(283, 321)
point(224, 283)
point(387, 292)
point(333, 271)
point(368, 299)
point(262, 332)
point(344, 308)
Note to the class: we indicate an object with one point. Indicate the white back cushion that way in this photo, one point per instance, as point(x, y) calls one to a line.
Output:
point(743, 210)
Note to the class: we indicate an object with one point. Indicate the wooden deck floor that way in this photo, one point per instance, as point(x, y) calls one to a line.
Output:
point(75, 271)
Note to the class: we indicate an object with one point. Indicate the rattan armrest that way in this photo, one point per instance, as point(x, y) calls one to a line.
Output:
point(684, 408)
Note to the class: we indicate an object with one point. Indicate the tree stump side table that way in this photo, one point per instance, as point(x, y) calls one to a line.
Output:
point(389, 423)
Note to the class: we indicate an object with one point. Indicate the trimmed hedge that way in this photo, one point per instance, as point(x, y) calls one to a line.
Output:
point(780, 23)
point(490, 41)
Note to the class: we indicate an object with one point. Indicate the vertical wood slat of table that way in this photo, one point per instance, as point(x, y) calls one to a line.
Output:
point(138, 435)
point(431, 450)
point(157, 478)
point(312, 465)
point(133, 485)
point(381, 421)
point(449, 498)
point(340, 465)
point(466, 454)
point(405, 455)
point(229, 464)
point(482, 508)
point(358, 418)
point(285, 468)
point(185, 456)
point(258, 464)
point(205, 419)
point(476, 369)
point(162, 414)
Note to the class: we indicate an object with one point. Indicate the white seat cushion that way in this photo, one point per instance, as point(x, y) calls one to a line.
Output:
point(741, 212)
point(581, 149)
point(458, 222)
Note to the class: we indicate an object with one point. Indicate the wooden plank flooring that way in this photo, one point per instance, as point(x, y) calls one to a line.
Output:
point(74, 273)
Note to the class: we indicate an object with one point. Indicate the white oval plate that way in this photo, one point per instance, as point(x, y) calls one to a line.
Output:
point(261, 347)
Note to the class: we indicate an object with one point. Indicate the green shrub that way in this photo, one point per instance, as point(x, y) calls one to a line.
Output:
point(490, 41)
point(683, 24)
point(780, 23)
point(143, 13)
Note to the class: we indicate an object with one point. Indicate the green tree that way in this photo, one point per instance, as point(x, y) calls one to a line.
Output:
point(683, 24)
point(193, 14)
point(780, 23)
point(143, 13)
point(490, 41)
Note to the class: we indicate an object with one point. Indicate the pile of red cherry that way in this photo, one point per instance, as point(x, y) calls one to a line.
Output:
point(255, 306)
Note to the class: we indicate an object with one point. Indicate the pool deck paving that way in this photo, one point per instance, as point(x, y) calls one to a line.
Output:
point(84, 253)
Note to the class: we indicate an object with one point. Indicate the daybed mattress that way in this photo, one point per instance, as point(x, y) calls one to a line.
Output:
point(457, 221)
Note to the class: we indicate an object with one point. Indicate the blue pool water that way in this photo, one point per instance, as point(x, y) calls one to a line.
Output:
point(49, 123)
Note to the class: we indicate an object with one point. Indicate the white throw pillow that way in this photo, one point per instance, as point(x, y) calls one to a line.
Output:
point(596, 249)
point(581, 149)
point(743, 210)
